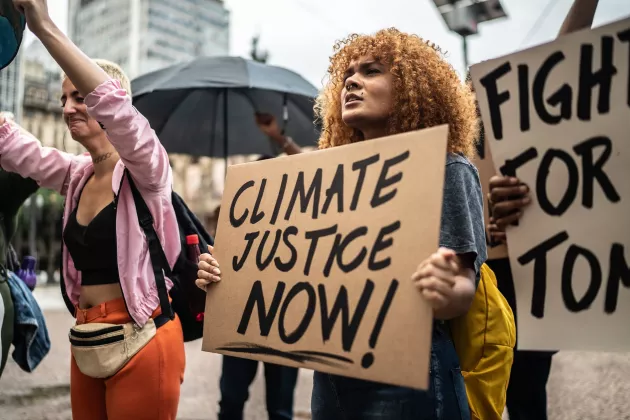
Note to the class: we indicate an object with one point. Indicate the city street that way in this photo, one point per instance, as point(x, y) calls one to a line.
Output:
point(583, 386)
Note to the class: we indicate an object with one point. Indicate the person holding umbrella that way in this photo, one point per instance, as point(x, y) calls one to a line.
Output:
point(385, 84)
point(108, 277)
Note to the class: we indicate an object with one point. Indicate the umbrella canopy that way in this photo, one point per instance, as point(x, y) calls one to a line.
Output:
point(206, 107)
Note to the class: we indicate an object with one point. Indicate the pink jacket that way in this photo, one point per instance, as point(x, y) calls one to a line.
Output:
point(142, 153)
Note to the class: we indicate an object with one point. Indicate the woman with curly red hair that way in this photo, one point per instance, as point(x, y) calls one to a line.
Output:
point(385, 84)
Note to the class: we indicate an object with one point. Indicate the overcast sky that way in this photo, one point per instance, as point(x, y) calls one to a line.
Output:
point(299, 34)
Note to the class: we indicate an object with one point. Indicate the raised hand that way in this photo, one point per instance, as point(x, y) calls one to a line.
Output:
point(36, 12)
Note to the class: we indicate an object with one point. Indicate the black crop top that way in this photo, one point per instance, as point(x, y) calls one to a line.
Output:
point(93, 247)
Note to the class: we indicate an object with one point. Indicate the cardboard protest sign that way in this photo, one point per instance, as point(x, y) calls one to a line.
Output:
point(316, 253)
point(483, 162)
point(557, 117)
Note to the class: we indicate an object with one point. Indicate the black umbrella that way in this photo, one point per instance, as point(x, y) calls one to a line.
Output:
point(186, 105)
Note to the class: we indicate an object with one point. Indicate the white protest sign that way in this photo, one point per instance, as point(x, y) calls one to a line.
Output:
point(317, 252)
point(557, 116)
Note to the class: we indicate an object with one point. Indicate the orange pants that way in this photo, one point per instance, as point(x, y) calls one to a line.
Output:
point(146, 388)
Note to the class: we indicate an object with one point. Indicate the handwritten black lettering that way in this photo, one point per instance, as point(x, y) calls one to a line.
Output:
point(601, 78)
point(562, 97)
point(538, 254)
point(258, 215)
point(261, 262)
point(384, 182)
point(299, 331)
point(541, 182)
point(249, 237)
point(496, 99)
point(265, 317)
point(511, 165)
point(314, 192)
point(349, 324)
point(314, 236)
point(570, 302)
point(237, 222)
point(338, 248)
point(286, 267)
point(595, 170)
point(279, 199)
point(368, 358)
point(361, 166)
point(382, 244)
point(335, 190)
point(523, 97)
point(619, 273)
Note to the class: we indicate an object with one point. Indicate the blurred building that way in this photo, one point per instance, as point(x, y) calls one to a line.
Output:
point(41, 105)
point(11, 88)
point(145, 35)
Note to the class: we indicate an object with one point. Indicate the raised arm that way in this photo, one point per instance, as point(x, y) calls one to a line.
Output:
point(22, 154)
point(79, 68)
point(109, 104)
point(580, 16)
point(131, 135)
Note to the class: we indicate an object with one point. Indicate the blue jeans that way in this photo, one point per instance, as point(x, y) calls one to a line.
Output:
point(340, 398)
point(237, 376)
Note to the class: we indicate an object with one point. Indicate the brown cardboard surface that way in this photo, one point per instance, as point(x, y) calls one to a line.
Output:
point(384, 342)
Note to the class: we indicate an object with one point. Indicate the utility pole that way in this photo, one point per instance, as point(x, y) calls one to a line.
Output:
point(464, 16)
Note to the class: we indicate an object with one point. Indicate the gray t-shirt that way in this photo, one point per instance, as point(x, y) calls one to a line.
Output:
point(462, 228)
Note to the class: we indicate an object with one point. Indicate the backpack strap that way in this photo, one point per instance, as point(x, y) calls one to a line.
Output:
point(158, 258)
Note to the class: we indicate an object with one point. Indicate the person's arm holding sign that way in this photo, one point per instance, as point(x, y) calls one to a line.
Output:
point(448, 278)
point(508, 196)
point(209, 271)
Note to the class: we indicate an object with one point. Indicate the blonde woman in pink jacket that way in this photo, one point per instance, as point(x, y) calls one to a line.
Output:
point(128, 359)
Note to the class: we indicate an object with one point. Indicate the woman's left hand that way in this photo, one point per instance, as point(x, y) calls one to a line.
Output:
point(209, 271)
point(436, 276)
point(36, 12)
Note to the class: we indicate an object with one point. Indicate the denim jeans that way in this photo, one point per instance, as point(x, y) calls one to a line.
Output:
point(340, 398)
point(237, 376)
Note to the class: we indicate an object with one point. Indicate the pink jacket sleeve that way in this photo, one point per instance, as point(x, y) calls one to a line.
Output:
point(22, 154)
point(131, 135)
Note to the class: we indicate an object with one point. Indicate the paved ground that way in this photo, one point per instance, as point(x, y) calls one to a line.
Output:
point(583, 386)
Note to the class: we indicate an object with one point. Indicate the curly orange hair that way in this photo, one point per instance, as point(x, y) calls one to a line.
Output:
point(427, 90)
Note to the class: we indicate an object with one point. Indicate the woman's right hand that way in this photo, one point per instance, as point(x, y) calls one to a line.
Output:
point(508, 197)
point(208, 270)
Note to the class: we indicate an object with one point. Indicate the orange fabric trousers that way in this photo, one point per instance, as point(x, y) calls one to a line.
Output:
point(149, 384)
